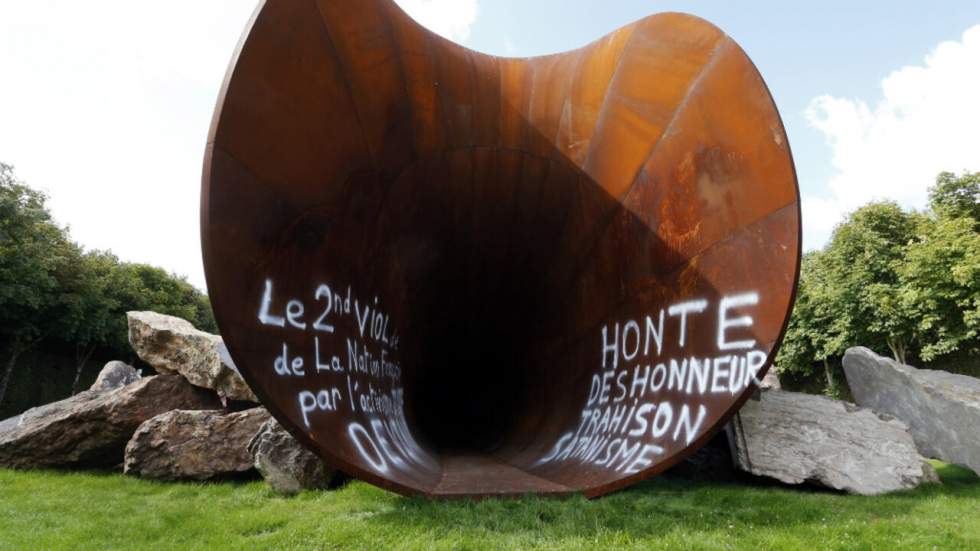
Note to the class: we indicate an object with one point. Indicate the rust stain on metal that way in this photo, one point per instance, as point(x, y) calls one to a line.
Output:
point(453, 274)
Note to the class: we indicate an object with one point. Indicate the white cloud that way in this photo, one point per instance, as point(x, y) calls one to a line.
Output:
point(106, 106)
point(927, 121)
point(449, 18)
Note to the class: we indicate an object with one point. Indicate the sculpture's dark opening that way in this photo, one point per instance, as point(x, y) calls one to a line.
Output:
point(469, 386)
point(471, 339)
point(471, 392)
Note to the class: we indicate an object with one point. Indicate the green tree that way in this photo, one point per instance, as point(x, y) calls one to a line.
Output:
point(941, 272)
point(145, 287)
point(95, 322)
point(36, 259)
point(806, 341)
point(110, 288)
point(862, 285)
point(849, 294)
point(956, 196)
point(896, 281)
point(52, 291)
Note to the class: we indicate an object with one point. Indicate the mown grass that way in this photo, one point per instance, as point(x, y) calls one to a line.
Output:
point(47, 510)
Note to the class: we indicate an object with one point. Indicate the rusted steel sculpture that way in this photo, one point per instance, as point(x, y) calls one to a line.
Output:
point(454, 274)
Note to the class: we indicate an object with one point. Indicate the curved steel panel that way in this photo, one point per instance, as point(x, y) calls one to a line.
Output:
point(455, 274)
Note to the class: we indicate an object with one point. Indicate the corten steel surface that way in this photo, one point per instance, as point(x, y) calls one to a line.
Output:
point(453, 274)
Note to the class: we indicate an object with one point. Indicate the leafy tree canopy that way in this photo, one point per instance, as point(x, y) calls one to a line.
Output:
point(53, 291)
point(956, 196)
point(899, 282)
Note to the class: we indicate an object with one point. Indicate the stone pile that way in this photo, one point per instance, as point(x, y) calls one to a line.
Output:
point(197, 419)
point(92, 428)
point(115, 375)
point(942, 409)
point(903, 415)
point(171, 344)
point(284, 463)
point(194, 420)
point(194, 445)
point(797, 438)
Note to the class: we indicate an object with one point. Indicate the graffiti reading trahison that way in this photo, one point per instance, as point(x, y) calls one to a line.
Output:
point(640, 398)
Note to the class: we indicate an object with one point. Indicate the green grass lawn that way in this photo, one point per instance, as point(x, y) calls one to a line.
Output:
point(47, 510)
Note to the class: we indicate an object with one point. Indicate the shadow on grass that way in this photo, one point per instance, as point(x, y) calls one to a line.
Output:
point(667, 505)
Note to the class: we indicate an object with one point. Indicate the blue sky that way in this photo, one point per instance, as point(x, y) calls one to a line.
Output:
point(112, 98)
point(804, 50)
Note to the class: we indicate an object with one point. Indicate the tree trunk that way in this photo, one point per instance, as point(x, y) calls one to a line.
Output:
point(15, 352)
point(829, 374)
point(80, 365)
point(898, 349)
point(891, 346)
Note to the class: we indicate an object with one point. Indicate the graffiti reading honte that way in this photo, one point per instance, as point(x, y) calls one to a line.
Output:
point(640, 399)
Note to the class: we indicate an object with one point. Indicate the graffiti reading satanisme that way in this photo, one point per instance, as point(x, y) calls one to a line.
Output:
point(639, 398)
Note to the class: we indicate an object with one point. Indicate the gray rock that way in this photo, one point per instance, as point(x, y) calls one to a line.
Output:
point(115, 374)
point(798, 438)
point(194, 445)
point(91, 428)
point(171, 344)
point(942, 409)
point(284, 463)
point(771, 380)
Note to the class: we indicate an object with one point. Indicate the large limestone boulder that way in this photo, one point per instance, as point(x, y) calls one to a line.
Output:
point(284, 463)
point(91, 429)
point(115, 374)
point(194, 445)
point(798, 438)
point(941, 409)
point(173, 344)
